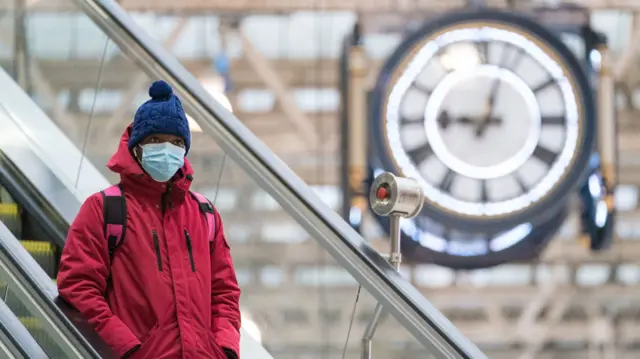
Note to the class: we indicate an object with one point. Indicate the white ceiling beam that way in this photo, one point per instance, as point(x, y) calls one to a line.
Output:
point(452, 299)
point(296, 73)
point(536, 340)
point(140, 82)
point(285, 6)
point(629, 55)
point(261, 6)
point(411, 352)
point(283, 94)
point(43, 87)
point(529, 315)
point(281, 332)
point(304, 254)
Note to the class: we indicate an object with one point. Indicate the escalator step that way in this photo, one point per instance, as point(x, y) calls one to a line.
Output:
point(30, 323)
point(39, 247)
point(15, 303)
point(10, 216)
point(8, 209)
point(42, 337)
point(43, 252)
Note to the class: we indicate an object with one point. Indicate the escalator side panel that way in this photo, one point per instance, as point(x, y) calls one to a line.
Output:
point(21, 343)
point(251, 348)
point(43, 153)
point(7, 349)
point(38, 292)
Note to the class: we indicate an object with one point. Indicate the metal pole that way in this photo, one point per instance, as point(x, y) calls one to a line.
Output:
point(21, 52)
point(370, 331)
point(357, 127)
point(607, 132)
point(395, 258)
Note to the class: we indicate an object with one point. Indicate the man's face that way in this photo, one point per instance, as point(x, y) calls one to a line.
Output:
point(158, 138)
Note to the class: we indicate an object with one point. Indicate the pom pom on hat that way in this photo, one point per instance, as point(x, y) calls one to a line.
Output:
point(160, 90)
point(162, 114)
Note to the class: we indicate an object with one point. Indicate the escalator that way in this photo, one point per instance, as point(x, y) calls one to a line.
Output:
point(16, 342)
point(21, 224)
point(35, 323)
point(49, 172)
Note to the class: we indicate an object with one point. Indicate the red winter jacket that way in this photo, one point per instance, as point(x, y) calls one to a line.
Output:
point(155, 299)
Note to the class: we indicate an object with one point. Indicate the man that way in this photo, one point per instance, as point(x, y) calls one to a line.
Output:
point(169, 289)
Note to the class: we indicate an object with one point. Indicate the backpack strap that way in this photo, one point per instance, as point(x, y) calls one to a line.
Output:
point(115, 217)
point(207, 210)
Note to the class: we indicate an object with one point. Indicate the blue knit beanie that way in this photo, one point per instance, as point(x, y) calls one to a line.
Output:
point(162, 114)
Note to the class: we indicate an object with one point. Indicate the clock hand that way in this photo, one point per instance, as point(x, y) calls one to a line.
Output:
point(505, 59)
point(488, 113)
point(444, 120)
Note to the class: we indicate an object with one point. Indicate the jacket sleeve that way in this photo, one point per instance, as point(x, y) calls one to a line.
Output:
point(225, 293)
point(82, 277)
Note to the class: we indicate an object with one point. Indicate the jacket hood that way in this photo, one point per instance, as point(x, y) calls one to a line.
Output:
point(131, 173)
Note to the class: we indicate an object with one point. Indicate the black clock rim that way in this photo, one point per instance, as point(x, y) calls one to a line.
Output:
point(572, 179)
point(527, 249)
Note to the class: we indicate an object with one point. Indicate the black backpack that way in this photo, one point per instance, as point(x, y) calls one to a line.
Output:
point(115, 216)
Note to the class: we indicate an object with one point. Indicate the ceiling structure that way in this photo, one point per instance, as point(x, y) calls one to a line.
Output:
point(284, 6)
point(569, 304)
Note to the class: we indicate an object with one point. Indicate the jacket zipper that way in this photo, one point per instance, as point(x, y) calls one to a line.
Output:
point(193, 265)
point(165, 199)
point(156, 243)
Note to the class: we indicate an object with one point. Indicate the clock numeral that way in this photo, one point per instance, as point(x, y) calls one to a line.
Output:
point(484, 191)
point(544, 85)
point(544, 154)
point(523, 187)
point(446, 234)
point(404, 120)
point(447, 180)
point(552, 120)
point(483, 51)
point(511, 57)
point(420, 153)
point(421, 88)
point(515, 59)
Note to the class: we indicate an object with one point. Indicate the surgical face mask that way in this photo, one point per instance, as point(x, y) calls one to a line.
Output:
point(162, 160)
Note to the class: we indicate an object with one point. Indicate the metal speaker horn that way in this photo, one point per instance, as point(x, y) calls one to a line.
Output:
point(396, 196)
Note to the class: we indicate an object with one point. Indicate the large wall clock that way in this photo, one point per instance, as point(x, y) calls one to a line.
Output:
point(492, 113)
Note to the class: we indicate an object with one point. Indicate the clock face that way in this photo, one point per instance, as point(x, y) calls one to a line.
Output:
point(494, 118)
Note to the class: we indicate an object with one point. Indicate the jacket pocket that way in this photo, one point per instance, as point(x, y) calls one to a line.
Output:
point(149, 343)
point(156, 244)
point(190, 249)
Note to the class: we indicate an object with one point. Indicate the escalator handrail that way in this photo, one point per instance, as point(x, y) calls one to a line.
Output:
point(18, 336)
point(398, 296)
point(68, 320)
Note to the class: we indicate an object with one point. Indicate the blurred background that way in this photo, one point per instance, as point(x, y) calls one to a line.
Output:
point(282, 67)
